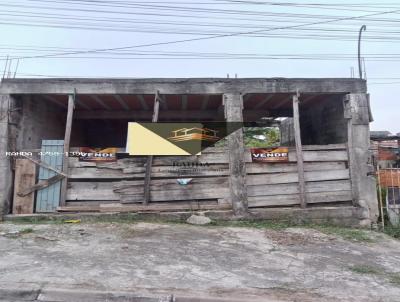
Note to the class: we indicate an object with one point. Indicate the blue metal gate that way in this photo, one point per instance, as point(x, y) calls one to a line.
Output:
point(48, 199)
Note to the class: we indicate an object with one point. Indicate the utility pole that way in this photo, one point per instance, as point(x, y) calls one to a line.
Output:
point(363, 28)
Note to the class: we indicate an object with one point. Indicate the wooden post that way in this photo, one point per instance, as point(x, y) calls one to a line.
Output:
point(25, 174)
point(299, 151)
point(67, 139)
point(149, 163)
point(237, 177)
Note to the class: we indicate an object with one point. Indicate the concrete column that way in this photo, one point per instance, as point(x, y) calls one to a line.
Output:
point(5, 164)
point(357, 113)
point(233, 105)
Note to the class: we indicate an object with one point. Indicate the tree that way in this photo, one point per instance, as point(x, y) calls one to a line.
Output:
point(262, 137)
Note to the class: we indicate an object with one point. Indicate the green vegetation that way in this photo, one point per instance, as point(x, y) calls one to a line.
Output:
point(393, 278)
point(345, 233)
point(26, 231)
point(261, 137)
point(365, 269)
point(258, 224)
point(258, 137)
point(392, 231)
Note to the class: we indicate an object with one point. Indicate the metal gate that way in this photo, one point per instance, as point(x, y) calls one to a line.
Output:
point(48, 199)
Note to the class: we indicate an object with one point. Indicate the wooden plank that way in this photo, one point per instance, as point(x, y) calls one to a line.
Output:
point(25, 175)
point(44, 165)
point(161, 207)
point(323, 155)
point(299, 151)
point(89, 208)
point(212, 170)
point(95, 173)
point(147, 177)
point(87, 203)
point(171, 184)
point(293, 199)
point(92, 191)
point(183, 171)
point(160, 189)
point(222, 157)
point(96, 203)
point(324, 147)
point(217, 157)
point(193, 194)
point(153, 207)
point(67, 139)
point(211, 158)
point(292, 188)
point(310, 176)
point(262, 168)
point(40, 185)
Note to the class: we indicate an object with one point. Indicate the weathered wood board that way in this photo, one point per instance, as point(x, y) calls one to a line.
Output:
point(161, 190)
point(273, 184)
point(293, 199)
point(291, 177)
point(25, 177)
point(84, 173)
point(292, 188)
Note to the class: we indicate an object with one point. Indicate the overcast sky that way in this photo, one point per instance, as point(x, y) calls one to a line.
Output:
point(32, 28)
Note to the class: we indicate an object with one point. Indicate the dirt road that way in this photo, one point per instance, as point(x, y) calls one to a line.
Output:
point(245, 264)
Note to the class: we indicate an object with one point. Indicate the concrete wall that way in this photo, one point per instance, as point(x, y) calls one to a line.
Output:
point(320, 124)
point(324, 123)
point(356, 111)
point(40, 119)
point(286, 130)
point(5, 165)
point(24, 122)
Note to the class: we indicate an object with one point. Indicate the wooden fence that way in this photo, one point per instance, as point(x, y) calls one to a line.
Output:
point(118, 186)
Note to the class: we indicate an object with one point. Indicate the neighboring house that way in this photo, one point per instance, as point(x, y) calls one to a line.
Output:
point(386, 149)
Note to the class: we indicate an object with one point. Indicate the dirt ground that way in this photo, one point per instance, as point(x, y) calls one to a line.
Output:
point(237, 263)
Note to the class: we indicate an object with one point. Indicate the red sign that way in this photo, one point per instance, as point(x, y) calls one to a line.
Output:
point(270, 155)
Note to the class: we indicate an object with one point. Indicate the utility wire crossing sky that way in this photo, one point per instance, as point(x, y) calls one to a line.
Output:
point(207, 38)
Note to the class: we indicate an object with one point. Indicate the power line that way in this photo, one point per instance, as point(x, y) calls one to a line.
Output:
point(59, 17)
point(211, 37)
point(313, 35)
point(182, 9)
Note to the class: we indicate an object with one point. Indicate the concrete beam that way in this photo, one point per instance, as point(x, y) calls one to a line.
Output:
point(233, 104)
point(183, 86)
point(249, 115)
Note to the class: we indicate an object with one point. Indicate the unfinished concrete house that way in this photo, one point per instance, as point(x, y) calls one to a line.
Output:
point(326, 176)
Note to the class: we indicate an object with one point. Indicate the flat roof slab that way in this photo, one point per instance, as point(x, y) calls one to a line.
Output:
point(181, 85)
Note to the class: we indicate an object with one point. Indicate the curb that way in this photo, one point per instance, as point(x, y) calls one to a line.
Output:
point(59, 295)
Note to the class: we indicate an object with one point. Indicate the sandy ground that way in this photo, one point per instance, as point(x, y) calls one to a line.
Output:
point(296, 264)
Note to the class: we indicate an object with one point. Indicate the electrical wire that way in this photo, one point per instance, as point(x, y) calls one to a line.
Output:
point(214, 36)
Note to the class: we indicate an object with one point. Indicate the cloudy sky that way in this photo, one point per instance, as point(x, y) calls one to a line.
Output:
point(310, 38)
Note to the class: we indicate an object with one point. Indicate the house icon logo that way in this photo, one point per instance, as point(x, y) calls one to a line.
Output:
point(197, 134)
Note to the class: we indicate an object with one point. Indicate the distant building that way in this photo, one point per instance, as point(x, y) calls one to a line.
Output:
point(386, 149)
